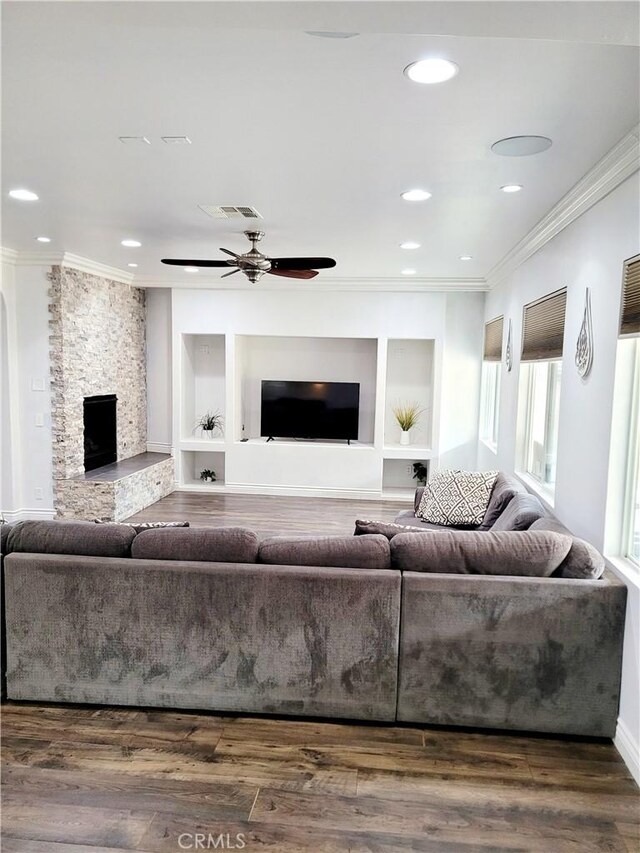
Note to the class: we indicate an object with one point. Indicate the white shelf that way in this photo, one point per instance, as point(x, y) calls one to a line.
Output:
point(407, 451)
point(199, 486)
point(203, 444)
point(286, 442)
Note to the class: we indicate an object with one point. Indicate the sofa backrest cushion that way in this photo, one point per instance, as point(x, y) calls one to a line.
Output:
point(582, 561)
point(80, 538)
point(198, 544)
point(504, 490)
point(471, 552)
point(349, 552)
point(519, 514)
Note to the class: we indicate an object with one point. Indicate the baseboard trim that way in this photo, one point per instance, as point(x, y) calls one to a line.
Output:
point(290, 491)
point(629, 749)
point(28, 515)
point(158, 448)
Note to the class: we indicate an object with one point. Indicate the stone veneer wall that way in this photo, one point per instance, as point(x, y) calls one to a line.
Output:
point(97, 347)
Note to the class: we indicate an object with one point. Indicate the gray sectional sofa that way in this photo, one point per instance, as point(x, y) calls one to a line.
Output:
point(317, 626)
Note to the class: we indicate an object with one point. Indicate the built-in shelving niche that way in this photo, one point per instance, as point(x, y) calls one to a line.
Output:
point(193, 462)
point(203, 382)
point(409, 379)
point(397, 477)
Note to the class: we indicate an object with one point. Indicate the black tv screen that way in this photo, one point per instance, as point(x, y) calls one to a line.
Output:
point(310, 409)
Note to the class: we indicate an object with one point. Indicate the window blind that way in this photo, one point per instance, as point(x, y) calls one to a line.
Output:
point(493, 340)
point(543, 327)
point(630, 314)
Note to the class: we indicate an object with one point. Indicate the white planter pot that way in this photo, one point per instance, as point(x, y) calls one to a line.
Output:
point(207, 433)
point(404, 437)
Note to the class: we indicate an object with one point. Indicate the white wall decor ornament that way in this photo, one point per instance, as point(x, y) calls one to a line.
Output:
point(509, 350)
point(584, 345)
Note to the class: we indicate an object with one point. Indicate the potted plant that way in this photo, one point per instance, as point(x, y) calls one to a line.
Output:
point(407, 415)
point(208, 476)
point(210, 423)
point(420, 473)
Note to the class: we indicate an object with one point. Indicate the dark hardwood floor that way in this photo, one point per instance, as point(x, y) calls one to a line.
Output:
point(105, 780)
point(269, 515)
point(86, 780)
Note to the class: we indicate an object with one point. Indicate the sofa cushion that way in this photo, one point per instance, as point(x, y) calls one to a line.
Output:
point(386, 528)
point(504, 490)
point(200, 544)
point(410, 518)
point(583, 560)
point(349, 552)
point(80, 538)
point(469, 552)
point(457, 497)
point(520, 513)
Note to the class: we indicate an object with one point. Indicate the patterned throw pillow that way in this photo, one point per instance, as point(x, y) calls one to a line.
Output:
point(456, 497)
point(139, 526)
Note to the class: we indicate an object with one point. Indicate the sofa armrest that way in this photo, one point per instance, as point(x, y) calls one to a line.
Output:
point(537, 654)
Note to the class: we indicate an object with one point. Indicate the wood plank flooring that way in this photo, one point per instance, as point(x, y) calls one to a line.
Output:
point(269, 515)
point(100, 780)
point(106, 780)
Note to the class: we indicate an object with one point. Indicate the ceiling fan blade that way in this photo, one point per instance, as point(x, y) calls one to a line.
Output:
point(233, 272)
point(302, 263)
point(229, 252)
point(294, 273)
point(183, 262)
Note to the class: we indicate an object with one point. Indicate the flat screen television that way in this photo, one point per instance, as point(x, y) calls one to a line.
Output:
point(310, 409)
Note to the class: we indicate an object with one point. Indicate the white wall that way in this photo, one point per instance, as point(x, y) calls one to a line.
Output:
point(27, 485)
point(158, 305)
point(588, 253)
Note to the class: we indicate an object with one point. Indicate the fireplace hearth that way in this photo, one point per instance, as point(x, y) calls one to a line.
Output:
point(100, 442)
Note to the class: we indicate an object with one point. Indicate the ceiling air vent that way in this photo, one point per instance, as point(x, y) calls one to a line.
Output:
point(230, 211)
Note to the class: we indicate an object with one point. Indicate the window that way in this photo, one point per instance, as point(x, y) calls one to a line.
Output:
point(542, 394)
point(540, 383)
point(490, 402)
point(490, 389)
point(631, 528)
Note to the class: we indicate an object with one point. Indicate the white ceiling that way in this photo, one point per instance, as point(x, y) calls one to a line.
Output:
point(320, 135)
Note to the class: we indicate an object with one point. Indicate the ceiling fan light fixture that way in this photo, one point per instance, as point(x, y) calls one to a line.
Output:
point(433, 70)
point(416, 195)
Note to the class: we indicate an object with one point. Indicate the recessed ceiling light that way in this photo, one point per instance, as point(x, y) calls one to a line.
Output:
point(511, 188)
point(409, 244)
point(431, 70)
point(330, 34)
point(416, 195)
point(521, 146)
point(23, 195)
point(43, 239)
point(191, 269)
point(135, 140)
point(408, 272)
point(132, 265)
point(466, 258)
point(131, 244)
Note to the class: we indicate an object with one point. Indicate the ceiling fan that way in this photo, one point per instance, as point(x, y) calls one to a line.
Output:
point(254, 264)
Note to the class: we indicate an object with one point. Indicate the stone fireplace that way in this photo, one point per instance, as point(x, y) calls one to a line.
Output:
point(99, 399)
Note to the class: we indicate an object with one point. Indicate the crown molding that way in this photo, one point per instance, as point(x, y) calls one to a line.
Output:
point(615, 167)
point(65, 259)
point(324, 285)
